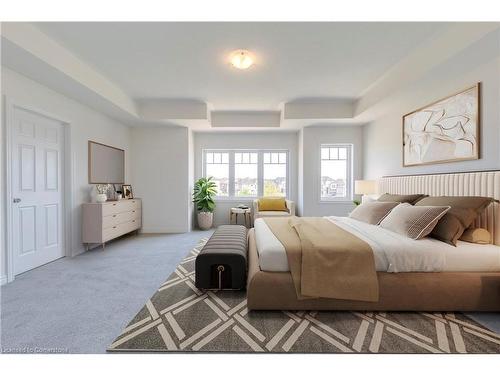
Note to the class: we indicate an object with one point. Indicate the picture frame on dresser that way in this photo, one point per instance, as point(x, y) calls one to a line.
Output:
point(127, 192)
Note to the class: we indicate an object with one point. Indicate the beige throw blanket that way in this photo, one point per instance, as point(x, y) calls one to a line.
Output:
point(325, 260)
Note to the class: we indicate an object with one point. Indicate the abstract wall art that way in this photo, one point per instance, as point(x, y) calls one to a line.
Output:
point(444, 131)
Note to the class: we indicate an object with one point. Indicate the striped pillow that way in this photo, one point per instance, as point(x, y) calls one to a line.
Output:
point(414, 222)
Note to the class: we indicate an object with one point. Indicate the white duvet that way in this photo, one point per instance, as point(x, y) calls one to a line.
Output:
point(392, 252)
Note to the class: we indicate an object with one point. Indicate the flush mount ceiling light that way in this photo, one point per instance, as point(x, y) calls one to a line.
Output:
point(241, 59)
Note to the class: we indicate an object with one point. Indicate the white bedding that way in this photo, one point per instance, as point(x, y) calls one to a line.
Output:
point(392, 252)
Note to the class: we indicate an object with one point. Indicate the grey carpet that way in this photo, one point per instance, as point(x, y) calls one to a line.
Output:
point(80, 304)
point(180, 317)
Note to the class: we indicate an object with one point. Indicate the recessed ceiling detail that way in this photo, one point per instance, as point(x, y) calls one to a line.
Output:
point(308, 77)
point(245, 119)
point(172, 109)
point(319, 108)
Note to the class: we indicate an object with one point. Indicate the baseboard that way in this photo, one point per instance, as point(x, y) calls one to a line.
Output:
point(3, 280)
point(163, 230)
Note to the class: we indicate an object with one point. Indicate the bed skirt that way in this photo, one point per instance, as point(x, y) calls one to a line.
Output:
point(406, 291)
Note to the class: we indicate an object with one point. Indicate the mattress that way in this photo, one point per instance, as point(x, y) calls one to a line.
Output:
point(392, 252)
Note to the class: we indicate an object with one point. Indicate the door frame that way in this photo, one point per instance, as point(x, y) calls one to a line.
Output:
point(67, 179)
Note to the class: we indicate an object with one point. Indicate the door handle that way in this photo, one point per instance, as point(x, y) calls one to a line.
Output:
point(16, 200)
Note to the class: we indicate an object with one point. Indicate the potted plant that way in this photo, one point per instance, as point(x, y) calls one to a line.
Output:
point(203, 196)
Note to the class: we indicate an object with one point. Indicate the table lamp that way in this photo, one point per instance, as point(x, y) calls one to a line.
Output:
point(364, 188)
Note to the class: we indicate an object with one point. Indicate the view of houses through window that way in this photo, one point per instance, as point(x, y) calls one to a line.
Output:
point(248, 173)
point(336, 172)
point(217, 166)
point(245, 174)
point(275, 166)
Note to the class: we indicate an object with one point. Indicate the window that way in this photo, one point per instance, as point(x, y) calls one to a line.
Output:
point(336, 172)
point(245, 174)
point(217, 166)
point(248, 173)
point(275, 174)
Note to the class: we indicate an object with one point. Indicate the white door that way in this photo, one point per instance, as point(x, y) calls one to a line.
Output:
point(37, 147)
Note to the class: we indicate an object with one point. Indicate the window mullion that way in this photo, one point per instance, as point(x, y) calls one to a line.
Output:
point(231, 174)
point(260, 173)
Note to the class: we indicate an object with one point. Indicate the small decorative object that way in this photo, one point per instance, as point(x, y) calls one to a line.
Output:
point(204, 193)
point(444, 131)
point(364, 188)
point(127, 192)
point(242, 206)
point(102, 193)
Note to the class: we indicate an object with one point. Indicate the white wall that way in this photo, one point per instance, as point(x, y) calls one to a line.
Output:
point(300, 173)
point(161, 177)
point(85, 124)
point(190, 178)
point(312, 138)
point(245, 140)
point(478, 63)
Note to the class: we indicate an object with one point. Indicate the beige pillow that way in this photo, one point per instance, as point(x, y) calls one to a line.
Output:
point(411, 198)
point(476, 235)
point(414, 222)
point(372, 212)
point(463, 212)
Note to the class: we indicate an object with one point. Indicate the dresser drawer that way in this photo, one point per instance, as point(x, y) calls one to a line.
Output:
point(120, 229)
point(112, 208)
point(119, 218)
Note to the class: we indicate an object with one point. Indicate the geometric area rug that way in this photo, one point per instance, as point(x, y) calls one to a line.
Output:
point(179, 317)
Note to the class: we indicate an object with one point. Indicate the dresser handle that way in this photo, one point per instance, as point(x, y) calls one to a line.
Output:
point(114, 204)
point(133, 221)
point(114, 227)
point(114, 215)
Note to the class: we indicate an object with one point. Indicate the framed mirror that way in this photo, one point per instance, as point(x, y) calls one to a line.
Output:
point(106, 164)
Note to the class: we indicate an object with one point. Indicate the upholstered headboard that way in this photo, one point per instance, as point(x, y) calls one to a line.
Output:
point(485, 184)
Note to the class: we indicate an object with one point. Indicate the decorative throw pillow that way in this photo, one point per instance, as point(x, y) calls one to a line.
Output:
point(372, 212)
point(476, 235)
point(272, 204)
point(463, 212)
point(411, 199)
point(412, 221)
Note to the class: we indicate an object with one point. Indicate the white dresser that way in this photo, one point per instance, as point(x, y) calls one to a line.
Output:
point(104, 221)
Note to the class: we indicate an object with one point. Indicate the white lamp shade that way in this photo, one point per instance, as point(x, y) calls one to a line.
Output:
point(365, 187)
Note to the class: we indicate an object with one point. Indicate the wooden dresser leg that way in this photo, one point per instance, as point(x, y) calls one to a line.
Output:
point(103, 245)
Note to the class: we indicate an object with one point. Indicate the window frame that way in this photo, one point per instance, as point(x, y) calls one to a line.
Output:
point(260, 172)
point(349, 178)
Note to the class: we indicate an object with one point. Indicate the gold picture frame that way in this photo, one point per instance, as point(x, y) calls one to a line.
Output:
point(444, 131)
point(127, 192)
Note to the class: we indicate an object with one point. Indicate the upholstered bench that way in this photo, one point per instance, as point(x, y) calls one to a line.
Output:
point(222, 263)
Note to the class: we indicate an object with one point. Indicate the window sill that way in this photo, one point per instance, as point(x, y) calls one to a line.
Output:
point(236, 199)
point(239, 199)
point(345, 202)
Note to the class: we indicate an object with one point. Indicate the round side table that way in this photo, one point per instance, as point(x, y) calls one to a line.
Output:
point(235, 211)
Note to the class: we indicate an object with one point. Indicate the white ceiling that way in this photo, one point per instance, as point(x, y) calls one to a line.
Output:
point(189, 60)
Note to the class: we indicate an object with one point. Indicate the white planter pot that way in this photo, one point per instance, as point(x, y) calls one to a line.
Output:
point(205, 220)
point(101, 198)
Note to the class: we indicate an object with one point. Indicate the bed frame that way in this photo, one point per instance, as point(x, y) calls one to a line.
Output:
point(412, 291)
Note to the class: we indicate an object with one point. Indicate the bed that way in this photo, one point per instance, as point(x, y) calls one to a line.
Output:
point(423, 275)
